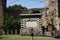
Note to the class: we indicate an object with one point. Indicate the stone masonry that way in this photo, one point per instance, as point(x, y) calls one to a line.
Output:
point(2, 8)
point(33, 16)
point(52, 13)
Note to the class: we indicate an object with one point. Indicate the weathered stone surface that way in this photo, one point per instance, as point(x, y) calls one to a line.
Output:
point(1, 16)
point(53, 12)
point(31, 20)
point(2, 11)
point(53, 15)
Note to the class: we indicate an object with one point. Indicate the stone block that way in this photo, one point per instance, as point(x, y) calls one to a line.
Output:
point(48, 34)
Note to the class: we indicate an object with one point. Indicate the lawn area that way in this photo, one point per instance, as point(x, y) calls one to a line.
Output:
point(18, 37)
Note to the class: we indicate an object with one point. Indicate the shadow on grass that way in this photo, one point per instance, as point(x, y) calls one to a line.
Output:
point(1, 37)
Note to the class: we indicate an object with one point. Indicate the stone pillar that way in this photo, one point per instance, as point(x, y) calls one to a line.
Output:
point(3, 32)
point(11, 32)
point(21, 31)
point(15, 32)
point(7, 32)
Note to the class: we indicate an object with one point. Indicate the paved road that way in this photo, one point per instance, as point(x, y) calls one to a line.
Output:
point(45, 38)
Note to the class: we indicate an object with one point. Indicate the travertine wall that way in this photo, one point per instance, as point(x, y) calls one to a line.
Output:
point(33, 20)
point(52, 13)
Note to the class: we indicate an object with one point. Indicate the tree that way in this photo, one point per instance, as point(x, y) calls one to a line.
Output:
point(11, 23)
point(10, 20)
point(15, 10)
point(11, 17)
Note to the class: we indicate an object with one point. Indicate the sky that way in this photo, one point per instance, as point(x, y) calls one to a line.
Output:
point(27, 3)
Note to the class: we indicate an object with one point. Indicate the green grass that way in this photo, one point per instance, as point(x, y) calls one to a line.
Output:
point(18, 37)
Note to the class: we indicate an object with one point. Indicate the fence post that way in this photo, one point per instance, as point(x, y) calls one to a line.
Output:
point(11, 32)
point(7, 32)
point(3, 32)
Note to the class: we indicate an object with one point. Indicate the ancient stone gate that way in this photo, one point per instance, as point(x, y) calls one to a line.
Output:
point(31, 21)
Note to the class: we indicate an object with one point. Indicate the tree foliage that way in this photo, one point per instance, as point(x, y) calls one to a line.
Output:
point(15, 8)
point(10, 22)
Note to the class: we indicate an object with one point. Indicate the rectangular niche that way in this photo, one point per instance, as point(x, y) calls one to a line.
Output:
point(31, 24)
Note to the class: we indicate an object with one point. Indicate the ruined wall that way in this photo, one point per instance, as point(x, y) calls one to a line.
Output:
point(59, 8)
point(2, 11)
point(52, 13)
point(1, 16)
